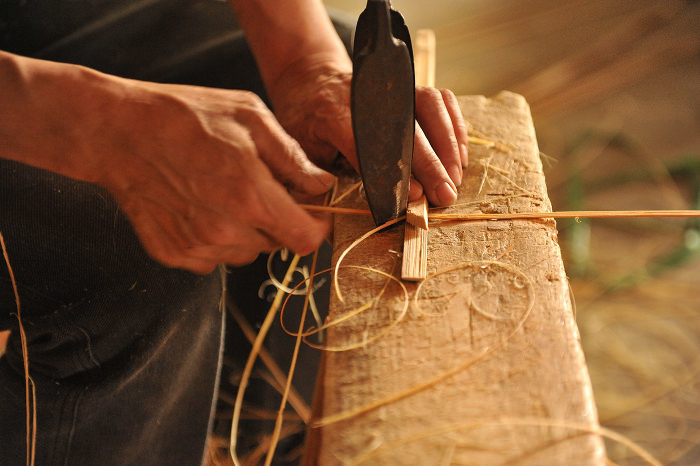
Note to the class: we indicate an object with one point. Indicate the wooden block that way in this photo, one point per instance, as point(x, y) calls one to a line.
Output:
point(483, 365)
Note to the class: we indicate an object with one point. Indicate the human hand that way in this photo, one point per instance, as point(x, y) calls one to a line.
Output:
point(202, 173)
point(312, 101)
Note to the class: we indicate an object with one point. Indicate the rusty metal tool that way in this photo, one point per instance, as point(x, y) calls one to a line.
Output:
point(383, 108)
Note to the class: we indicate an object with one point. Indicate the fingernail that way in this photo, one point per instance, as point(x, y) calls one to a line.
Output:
point(455, 173)
point(445, 193)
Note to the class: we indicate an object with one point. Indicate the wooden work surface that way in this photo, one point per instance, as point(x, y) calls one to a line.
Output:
point(485, 367)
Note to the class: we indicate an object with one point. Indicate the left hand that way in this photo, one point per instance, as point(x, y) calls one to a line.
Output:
point(312, 102)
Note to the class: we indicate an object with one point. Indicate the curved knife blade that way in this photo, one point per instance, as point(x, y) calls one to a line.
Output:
point(383, 108)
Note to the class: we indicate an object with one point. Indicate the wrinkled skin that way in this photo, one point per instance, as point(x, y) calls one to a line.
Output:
point(220, 184)
point(212, 176)
point(225, 191)
point(315, 108)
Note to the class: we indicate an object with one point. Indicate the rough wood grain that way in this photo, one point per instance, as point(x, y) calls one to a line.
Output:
point(491, 349)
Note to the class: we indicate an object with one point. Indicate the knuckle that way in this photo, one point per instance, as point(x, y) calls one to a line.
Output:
point(252, 109)
point(431, 94)
point(251, 98)
point(447, 95)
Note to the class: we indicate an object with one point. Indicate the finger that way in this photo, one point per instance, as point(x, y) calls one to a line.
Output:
point(287, 161)
point(232, 255)
point(458, 124)
point(429, 170)
point(161, 245)
point(415, 190)
point(227, 230)
point(247, 243)
point(200, 242)
point(275, 213)
point(341, 136)
point(436, 122)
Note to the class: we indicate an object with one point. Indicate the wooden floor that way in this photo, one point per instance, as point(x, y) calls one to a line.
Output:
point(615, 94)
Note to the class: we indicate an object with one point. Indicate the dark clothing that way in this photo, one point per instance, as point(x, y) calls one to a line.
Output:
point(177, 41)
point(123, 351)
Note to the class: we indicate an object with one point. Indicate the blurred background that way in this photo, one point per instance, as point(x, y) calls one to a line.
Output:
point(614, 88)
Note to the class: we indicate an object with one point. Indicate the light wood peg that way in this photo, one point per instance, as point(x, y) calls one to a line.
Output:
point(417, 213)
point(414, 266)
point(415, 242)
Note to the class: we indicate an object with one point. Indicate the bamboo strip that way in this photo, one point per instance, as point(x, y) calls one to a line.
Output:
point(526, 215)
point(567, 214)
point(295, 399)
point(414, 265)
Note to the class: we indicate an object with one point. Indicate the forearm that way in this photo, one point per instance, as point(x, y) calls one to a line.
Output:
point(289, 35)
point(46, 110)
point(204, 174)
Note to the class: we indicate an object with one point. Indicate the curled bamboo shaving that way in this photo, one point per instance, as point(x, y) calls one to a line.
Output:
point(353, 313)
point(274, 281)
point(295, 399)
point(514, 422)
point(349, 414)
point(472, 305)
point(350, 248)
point(245, 378)
point(257, 346)
point(296, 291)
point(295, 356)
point(29, 387)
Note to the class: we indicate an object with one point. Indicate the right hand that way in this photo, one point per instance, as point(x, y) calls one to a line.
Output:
point(207, 175)
point(312, 102)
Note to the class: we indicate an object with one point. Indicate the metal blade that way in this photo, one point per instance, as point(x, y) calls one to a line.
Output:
point(383, 108)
